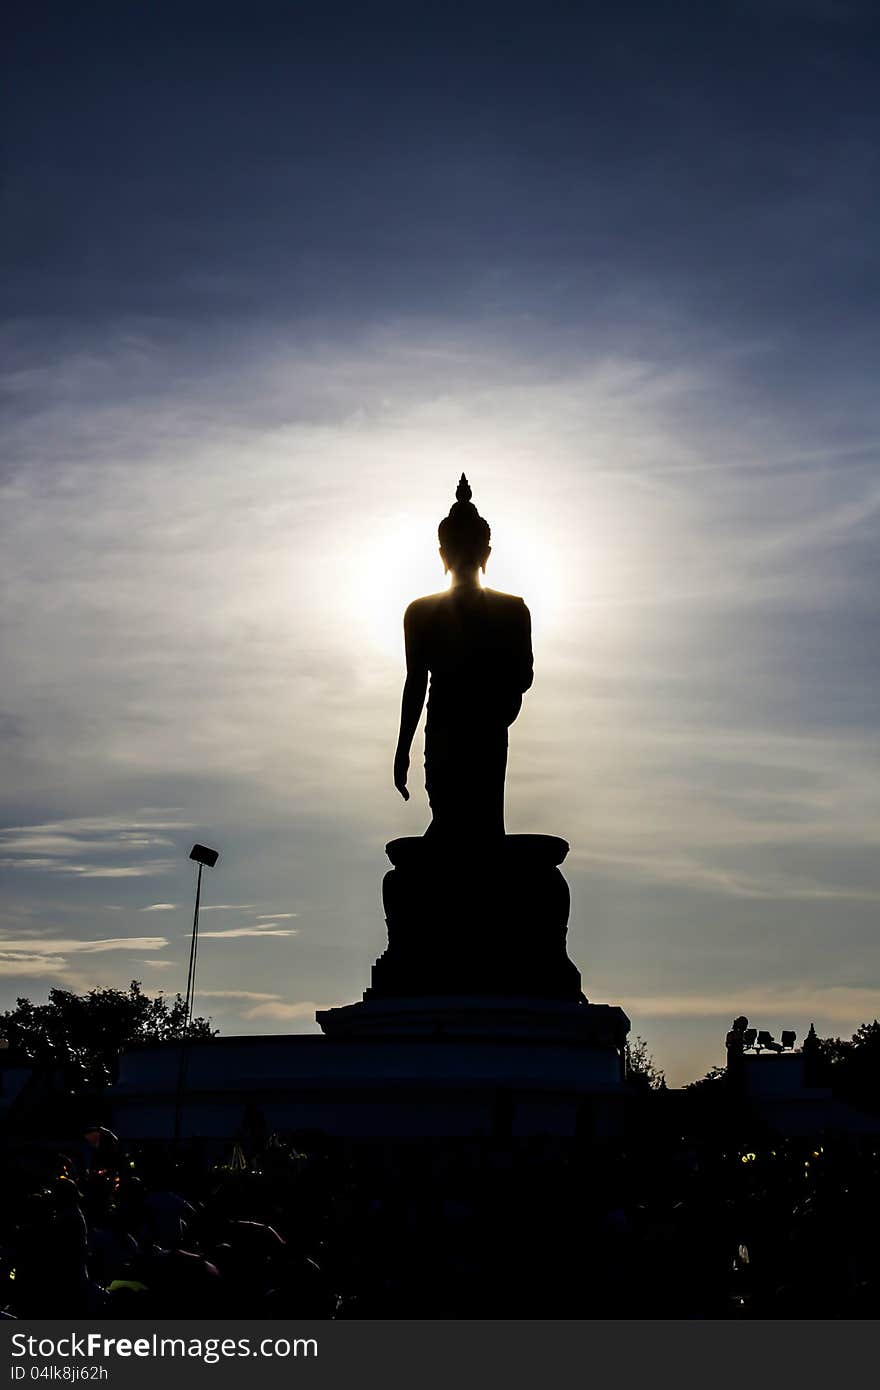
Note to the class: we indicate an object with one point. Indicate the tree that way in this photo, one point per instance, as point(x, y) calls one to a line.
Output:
point(713, 1077)
point(85, 1033)
point(851, 1066)
point(641, 1072)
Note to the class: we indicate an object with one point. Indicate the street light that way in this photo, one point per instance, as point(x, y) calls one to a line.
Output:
point(202, 856)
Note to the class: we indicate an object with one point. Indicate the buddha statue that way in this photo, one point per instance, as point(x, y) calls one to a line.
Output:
point(474, 645)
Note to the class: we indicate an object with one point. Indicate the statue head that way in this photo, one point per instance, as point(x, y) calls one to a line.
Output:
point(464, 534)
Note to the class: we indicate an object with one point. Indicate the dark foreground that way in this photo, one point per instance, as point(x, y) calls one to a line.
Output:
point(476, 1229)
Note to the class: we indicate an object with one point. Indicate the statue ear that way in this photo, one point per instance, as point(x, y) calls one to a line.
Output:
point(443, 558)
point(485, 558)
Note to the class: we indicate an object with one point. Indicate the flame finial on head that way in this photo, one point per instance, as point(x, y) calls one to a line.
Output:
point(464, 533)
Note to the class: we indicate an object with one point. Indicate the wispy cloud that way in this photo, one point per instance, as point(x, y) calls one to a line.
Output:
point(251, 994)
point(146, 869)
point(259, 929)
point(65, 846)
point(688, 871)
point(118, 825)
point(88, 946)
point(21, 964)
point(78, 846)
point(226, 907)
point(40, 956)
point(278, 1010)
point(160, 907)
point(853, 1005)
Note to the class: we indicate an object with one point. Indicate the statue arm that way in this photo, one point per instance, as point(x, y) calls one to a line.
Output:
point(520, 666)
point(414, 690)
point(527, 667)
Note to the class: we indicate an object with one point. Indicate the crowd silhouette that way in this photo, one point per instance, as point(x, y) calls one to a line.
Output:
point(309, 1227)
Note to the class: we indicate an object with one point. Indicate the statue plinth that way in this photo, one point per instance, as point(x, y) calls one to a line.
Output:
point(527, 1021)
point(476, 919)
point(475, 993)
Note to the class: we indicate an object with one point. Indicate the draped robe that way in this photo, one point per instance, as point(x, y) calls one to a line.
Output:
point(476, 644)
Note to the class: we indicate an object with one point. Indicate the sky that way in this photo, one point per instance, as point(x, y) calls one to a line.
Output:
point(275, 275)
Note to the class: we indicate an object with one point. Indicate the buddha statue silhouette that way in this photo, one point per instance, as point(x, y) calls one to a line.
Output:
point(476, 646)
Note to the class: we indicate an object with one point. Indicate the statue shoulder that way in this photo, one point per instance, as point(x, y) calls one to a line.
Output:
point(512, 603)
point(421, 610)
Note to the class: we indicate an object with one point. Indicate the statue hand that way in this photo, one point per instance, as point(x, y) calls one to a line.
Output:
point(401, 768)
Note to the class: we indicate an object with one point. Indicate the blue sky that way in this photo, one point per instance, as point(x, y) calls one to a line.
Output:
point(277, 273)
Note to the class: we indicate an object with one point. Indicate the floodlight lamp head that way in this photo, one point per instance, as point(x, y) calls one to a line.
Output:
point(749, 1037)
point(764, 1038)
point(202, 855)
point(788, 1036)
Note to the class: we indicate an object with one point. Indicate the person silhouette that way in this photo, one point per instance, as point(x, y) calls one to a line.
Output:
point(475, 644)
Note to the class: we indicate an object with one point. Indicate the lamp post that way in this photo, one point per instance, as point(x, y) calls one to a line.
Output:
point(202, 856)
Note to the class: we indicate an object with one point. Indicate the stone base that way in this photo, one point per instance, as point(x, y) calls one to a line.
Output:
point(503, 1018)
point(488, 920)
point(433, 1069)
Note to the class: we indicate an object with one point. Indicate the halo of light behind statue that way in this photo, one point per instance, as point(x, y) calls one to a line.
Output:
point(373, 580)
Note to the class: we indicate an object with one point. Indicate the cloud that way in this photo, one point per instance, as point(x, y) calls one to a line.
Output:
point(85, 946)
point(21, 964)
point(74, 845)
point(68, 845)
point(144, 870)
point(226, 907)
point(236, 994)
point(160, 907)
point(49, 956)
point(306, 1009)
point(688, 871)
point(855, 1004)
point(159, 964)
point(257, 930)
point(275, 916)
point(98, 825)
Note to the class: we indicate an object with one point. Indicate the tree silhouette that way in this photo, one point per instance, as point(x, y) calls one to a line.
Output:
point(851, 1066)
point(713, 1077)
point(641, 1072)
point(85, 1033)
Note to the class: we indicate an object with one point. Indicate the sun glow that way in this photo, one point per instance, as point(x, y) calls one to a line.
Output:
point(403, 563)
